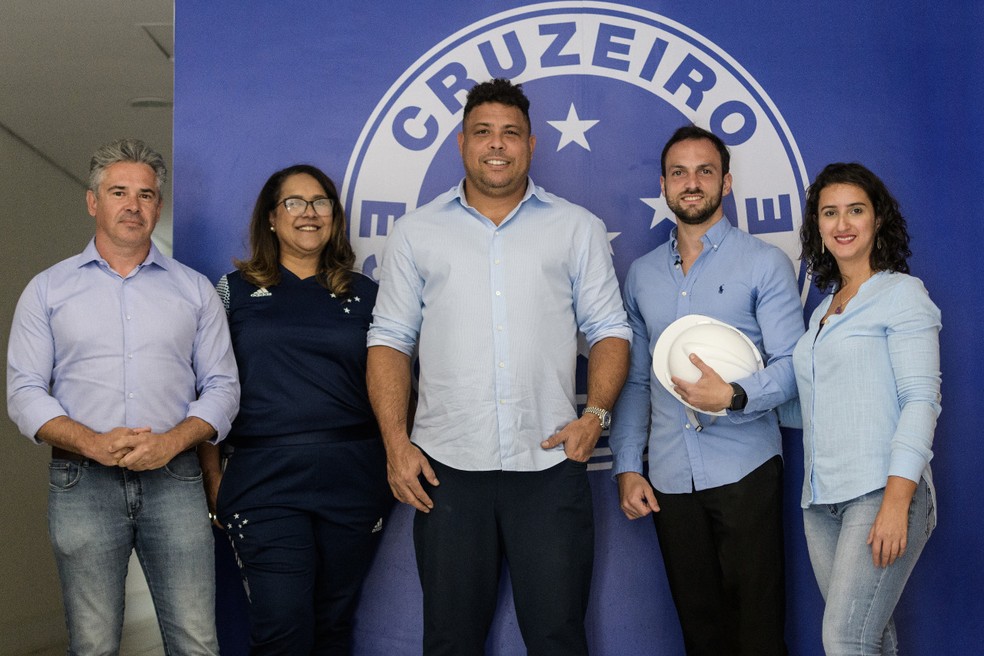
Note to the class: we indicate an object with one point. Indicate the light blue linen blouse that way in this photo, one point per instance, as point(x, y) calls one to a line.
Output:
point(869, 388)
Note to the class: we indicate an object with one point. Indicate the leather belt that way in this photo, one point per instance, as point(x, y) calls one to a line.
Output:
point(62, 454)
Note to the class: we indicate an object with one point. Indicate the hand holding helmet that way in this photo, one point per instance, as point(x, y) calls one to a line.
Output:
point(710, 393)
point(697, 357)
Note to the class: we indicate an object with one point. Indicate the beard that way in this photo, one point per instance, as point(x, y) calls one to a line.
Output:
point(695, 215)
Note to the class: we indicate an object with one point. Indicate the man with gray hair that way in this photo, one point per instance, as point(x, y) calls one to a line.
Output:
point(120, 360)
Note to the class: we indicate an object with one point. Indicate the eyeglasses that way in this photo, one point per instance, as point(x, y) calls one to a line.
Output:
point(297, 206)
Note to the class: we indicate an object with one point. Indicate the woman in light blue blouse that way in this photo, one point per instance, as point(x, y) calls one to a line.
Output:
point(868, 373)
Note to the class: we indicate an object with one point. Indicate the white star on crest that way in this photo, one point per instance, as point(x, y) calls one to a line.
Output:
point(661, 211)
point(573, 129)
point(612, 236)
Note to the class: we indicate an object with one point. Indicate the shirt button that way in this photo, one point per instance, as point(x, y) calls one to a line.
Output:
point(129, 355)
point(502, 365)
point(130, 395)
point(128, 317)
point(498, 261)
point(687, 426)
point(683, 293)
point(498, 293)
point(499, 328)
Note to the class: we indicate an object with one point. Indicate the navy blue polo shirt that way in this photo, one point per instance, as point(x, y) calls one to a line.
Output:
point(301, 351)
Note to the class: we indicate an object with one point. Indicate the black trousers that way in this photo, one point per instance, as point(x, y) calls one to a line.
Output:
point(305, 521)
point(723, 552)
point(540, 522)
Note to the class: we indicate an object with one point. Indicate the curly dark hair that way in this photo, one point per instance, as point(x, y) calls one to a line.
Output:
point(262, 267)
point(891, 251)
point(499, 90)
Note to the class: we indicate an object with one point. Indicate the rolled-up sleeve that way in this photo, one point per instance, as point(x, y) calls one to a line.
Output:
point(216, 372)
point(397, 315)
point(597, 303)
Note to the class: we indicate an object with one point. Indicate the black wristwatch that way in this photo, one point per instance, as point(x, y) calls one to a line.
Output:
point(738, 398)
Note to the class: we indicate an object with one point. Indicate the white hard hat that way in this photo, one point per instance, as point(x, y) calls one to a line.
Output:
point(724, 348)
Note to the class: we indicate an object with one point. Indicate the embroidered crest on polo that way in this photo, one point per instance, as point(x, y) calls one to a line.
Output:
point(608, 84)
point(261, 292)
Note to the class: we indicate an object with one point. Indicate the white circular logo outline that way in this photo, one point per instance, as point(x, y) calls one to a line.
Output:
point(481, 28)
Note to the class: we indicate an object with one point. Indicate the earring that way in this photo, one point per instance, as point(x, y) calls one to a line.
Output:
point(272, 229)
point(823, 247)
point(879, 244)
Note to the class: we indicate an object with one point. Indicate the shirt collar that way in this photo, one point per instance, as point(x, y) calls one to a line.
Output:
point(458, 194)
point(91, 254)
point(714, 236)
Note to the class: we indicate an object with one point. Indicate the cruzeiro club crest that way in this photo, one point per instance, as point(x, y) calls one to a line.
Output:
point(608, 84)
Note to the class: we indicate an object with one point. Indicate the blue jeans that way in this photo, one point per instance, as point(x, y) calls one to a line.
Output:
point(860, 598)
point(97, 515)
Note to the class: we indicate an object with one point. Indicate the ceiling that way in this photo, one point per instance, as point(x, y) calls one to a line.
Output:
point(71, 72)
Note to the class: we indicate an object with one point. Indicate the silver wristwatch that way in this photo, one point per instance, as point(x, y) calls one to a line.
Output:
point(604, 417)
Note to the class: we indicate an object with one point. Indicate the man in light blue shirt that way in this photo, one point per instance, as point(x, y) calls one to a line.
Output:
point(716, 494)
point(490, 283)
point(120, 359)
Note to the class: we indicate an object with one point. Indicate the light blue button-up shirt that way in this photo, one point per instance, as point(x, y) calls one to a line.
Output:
point(869, 388)
point(494, 313)
point(150, 349)
point(737, 279)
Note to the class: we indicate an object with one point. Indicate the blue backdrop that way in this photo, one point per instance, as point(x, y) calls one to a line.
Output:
point(372, 92)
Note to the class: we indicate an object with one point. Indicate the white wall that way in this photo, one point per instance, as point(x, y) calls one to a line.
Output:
point(44, 220)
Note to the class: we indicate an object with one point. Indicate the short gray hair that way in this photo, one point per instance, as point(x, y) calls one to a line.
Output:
point(126, 150)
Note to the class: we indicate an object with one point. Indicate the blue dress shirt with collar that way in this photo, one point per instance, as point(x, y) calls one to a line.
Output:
point(869, 387)
point(150, 349)
point(494, 313)
point(737, 279)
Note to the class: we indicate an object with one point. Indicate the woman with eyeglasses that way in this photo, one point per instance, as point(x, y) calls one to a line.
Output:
point(868, 373)
point(303, 495)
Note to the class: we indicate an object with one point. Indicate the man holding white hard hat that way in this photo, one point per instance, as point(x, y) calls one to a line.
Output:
point(715, 314)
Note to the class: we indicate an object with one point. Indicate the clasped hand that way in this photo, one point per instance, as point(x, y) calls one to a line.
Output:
point(137, 449)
